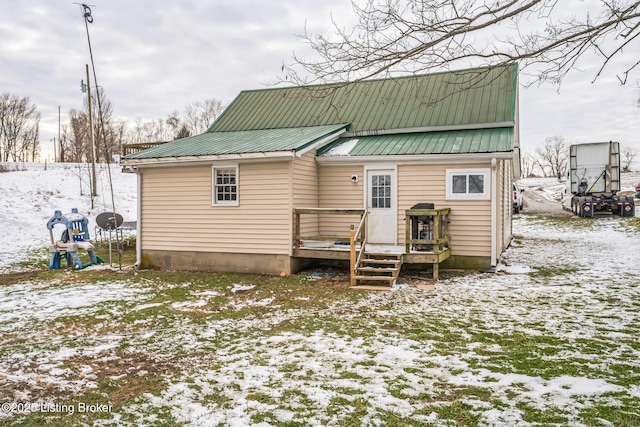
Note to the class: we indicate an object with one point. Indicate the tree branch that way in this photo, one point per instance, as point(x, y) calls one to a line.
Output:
point(399, 36)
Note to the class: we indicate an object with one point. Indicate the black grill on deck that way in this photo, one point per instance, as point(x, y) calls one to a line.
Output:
point(418, 222)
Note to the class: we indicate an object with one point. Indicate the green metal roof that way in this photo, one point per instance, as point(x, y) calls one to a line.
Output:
point(292, 118)
point(240, 142)
point(472, 96)
point(449, 142)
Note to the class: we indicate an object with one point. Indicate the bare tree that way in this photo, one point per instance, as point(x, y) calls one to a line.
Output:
point(183, 132)
point(553, 156)
point(178, 128)
point(134, 136)
point(432, 35)
point(156, 130)
point(63, 143)
point(106, 131)
point(629, 154)
point(198, 116)
point(528, 165)
point(173, 121)
point(19, 129)
point(75, 137)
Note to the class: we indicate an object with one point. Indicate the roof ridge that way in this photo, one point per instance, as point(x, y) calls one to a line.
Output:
point(372, 80)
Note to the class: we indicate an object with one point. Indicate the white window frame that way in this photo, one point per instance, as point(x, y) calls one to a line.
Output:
point(485, 195)
point(214, 199)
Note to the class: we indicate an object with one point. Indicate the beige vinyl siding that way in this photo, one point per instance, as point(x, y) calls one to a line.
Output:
point(470, 220)
point(305, 191)
point(337, 191)
point(509, 223)
point(498, 200)
point(177, 211)
point(507, 203)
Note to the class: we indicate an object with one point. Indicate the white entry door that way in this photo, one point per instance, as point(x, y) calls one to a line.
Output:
point(381, 203)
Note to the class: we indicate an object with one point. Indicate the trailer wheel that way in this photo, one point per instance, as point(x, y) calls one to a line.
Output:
point(580, 207)
point(584, 210)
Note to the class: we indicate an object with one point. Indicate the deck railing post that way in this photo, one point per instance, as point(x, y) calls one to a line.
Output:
point(407, 233)
point(352, 258)
point(436, 232)
point(296, 230)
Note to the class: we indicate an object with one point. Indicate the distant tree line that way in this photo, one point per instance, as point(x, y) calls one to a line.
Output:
point(552, 158)
point(110, 133)
point(20, 122)
point(20, 128)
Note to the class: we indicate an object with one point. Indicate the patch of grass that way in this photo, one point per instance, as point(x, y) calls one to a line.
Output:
point(19, 277)
point(547, 416)
point(393, 419)
point(297, 398)
point(631, 224)
point(544, 273)
point(350, 375)
point(458, 412)
point(350, 412)
point(625, 414)
point(107, 400)
point(261, 397)
point(344, 391)
point(445, 334)
point(572, 221)
point(528, 355)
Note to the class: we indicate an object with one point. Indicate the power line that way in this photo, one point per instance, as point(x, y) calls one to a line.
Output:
point(88, 19)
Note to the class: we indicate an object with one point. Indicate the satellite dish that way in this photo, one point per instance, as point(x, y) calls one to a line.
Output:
point(109, 220)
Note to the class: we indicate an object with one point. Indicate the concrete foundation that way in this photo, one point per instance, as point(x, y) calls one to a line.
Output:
point(466, 262)
point(227, 262)
point(275, 264)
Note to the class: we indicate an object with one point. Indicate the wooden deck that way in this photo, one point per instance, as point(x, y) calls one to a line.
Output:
point(421, 247)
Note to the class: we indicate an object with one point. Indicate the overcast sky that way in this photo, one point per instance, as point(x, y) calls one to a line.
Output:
point(155, 57)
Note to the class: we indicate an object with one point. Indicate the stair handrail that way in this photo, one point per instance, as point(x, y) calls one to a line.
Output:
point(361, 229)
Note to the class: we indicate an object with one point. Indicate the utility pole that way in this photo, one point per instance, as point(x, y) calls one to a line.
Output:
point(94, 191)
point(59, 141)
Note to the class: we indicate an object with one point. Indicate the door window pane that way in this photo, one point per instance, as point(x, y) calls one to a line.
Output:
point(381, 191)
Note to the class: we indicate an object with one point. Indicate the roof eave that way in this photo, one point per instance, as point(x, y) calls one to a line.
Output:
point(207, 159)
point(466, 158)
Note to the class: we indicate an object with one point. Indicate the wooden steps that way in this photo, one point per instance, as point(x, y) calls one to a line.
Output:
point(375, 268)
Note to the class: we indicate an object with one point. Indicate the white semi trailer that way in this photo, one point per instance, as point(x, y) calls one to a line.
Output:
point(594, 181)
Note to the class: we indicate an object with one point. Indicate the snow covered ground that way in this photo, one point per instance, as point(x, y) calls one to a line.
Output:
point(551, 338)
point(31, 195)
point(542, 196)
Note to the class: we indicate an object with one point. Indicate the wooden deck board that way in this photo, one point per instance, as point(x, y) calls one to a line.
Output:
point(372, 287)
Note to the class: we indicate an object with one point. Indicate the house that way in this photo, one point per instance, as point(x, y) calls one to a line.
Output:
point(282, 163)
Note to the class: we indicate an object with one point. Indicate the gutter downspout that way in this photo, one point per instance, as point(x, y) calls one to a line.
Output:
point(494, 216)
point(138, 219)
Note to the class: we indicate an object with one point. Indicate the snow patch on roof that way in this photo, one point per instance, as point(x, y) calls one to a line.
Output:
point(343, 149)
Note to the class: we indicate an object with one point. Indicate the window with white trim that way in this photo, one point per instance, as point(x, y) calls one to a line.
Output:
point(225, 185)
point(468, 184)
